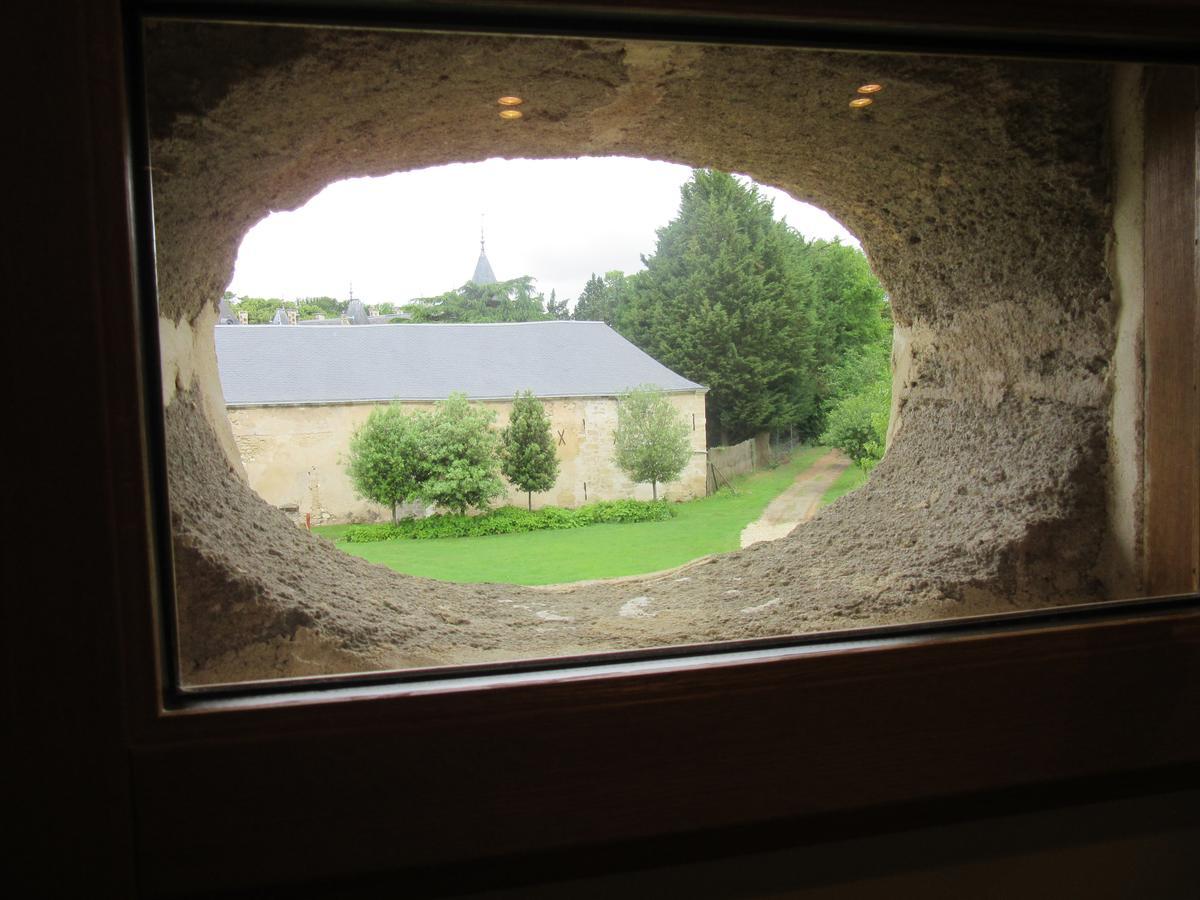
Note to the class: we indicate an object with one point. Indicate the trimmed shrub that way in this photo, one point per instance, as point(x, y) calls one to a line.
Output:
point(512, 520)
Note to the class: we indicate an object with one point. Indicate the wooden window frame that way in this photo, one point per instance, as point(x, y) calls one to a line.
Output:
point(476, 775)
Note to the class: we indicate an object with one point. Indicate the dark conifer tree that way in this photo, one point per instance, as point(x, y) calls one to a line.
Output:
point(719, 302)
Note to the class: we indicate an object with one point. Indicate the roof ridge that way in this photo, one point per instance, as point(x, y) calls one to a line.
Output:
point(334, 364)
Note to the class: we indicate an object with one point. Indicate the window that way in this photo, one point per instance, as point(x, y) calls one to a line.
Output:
point(990, 235)
point(215, 784)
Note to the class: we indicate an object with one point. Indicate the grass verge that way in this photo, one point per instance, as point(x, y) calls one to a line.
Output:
point(850, 480)
point(711, 525)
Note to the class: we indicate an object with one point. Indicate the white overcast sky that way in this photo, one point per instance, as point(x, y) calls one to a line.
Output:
point(416, 234)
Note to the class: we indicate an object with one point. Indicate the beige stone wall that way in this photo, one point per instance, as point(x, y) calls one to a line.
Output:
point(294, 456)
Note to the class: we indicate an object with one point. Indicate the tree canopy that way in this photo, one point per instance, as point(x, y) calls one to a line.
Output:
point(858, 403)
point(514, 300)
point(527, 452)
point(461, 456)
point(742, 303)
point(555, 308)
point(445, 457)
point(651, 440)
point(715, 303)
point(603, 299)
point(387, 460)
point(260, 310)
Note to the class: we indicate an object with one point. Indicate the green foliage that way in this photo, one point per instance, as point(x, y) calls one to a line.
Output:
point(555, 308)
point(447, 457)
point(850, 303)
point(651, 440)
point(857, 424)
point(857, 369)
point(387, 460)
point(716, 303)
point(311, 307)
point(604, 512)
point(527, 456)
point(511, 520)
point(603, 299)
point(708, 525)
point(859, 401)
point(744, 304)
point(259, 310)
point(503, 301)
point(460, 455)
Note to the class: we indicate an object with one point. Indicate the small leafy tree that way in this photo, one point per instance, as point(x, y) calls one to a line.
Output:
point(652, 438)
point(858, 424)
point(461, 455)
point(387, 460)
point(527, 457)
point(859, 388)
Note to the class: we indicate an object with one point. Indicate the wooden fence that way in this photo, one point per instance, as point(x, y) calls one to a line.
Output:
point(726, 462)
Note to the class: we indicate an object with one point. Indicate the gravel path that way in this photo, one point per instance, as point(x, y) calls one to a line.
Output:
point(799, 502)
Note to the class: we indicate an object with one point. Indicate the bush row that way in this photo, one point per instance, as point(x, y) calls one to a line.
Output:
point(510, 520)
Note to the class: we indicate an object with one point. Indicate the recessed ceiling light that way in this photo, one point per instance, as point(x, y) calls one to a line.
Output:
point(510, 114)
point(870, 88)
point(856, 103)
point(510, 101)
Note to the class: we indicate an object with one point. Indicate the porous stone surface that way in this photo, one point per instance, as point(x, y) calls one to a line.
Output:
point(978, 188)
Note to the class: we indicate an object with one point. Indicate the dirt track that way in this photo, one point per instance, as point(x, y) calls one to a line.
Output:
point(798, 503)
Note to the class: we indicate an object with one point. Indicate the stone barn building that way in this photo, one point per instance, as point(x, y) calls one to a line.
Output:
point(295, 395)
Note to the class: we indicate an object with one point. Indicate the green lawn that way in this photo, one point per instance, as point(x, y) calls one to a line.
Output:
point(710, 525)
point(852, 479)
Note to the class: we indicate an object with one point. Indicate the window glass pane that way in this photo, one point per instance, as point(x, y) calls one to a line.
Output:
point(474, 350)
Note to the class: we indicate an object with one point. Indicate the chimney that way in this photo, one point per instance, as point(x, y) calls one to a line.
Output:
point(292, 315)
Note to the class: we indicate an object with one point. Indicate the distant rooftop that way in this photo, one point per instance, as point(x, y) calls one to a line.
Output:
point(347, 364)
point(483, 268)
point(225, 313)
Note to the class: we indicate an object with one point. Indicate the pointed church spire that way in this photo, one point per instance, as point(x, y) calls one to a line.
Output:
point(483, 268)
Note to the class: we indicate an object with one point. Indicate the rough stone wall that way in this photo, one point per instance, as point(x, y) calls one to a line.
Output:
point(979, 189)
point(738, 459)
point(593, 429)
point(295, 455)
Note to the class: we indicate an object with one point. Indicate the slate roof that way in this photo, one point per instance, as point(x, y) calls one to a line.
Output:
point(483, 269)
point(335, 320)
point(265, 366)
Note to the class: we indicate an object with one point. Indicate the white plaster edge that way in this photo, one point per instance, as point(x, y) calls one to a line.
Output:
point(1122, 572)
point(188, 354)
